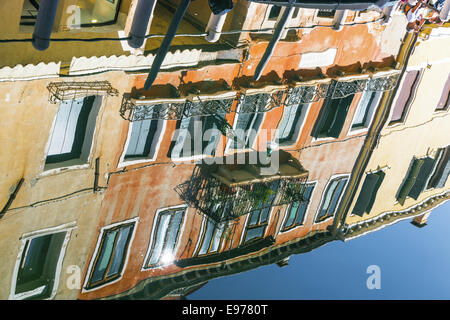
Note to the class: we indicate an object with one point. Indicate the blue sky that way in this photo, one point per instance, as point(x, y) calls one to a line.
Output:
point(414, 264)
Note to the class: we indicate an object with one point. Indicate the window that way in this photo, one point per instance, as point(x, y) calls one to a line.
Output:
point(441, 171)
point(331, 198)
point(247, 127)
point(98, 13)
point(405, 97)
point(211, 238)
point(416, 179)
point(110, 256)
point(29, 12)
point(368, 193)
point(295, 213)
point(197, 135)
point(332, 117)
point(291, 122)
point(274, 12)
point(165, 236)
point(258, 219)
point(72, 132)
point(444, 101)
point(40, 259)
point(143, 140)
point(365, 110)
point(326, 13)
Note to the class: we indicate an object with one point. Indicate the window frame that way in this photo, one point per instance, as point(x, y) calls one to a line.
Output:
point(370, 113)
point(97, 107)
point(157, 141)
point(442, 98)
point(411, 98)
point(155, 225)
point(288, 208)
point(298, 126)
point(87, 287)
point(67, 228)
point(202, 234)
point(326, 104)
point(324, 193)
point(258, 225)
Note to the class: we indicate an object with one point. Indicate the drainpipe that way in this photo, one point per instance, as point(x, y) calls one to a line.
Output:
point(339, 19)
point(287, 12)
point(445, 11)
point(142, 17)
point(44, 24)
point(214, 27)
point(164, 48)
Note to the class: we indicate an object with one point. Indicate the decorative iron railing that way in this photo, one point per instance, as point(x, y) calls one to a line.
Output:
point(73, 90)
point(260, 102)
point(134, 110)
point(306, 94)
point(221, 201)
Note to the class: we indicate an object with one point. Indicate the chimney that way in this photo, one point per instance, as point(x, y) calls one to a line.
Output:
point(421, 221)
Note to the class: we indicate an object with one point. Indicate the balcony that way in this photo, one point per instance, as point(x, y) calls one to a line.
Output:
point(238, 184)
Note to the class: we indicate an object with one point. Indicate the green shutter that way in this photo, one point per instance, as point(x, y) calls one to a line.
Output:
point(422, 178)
point(410, 180)
point(365, 195)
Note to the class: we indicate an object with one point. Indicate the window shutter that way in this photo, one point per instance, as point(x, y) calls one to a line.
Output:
point(340, 116)
point(405, 95)
point(366, 194)
point(322, 118)
point(422, 178)
point(381, 176)
point(410, 180)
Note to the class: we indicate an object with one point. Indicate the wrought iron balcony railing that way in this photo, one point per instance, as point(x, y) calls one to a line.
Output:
point(73, 90)
point(227, 191)
point(256, 100)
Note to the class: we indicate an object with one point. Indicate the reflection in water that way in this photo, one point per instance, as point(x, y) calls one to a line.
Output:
point(110, 191)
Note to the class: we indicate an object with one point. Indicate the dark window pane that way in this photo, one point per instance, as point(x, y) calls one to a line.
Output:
point(119, 251)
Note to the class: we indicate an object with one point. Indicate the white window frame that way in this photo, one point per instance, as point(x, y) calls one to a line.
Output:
point(160, 131)
point(229, 149)
point(322, 198)
point(371, 114)
point(99, 99)
point(154, 225)
point(67, 228)
point(298, 128)
point(96, 252)
point(201, 236)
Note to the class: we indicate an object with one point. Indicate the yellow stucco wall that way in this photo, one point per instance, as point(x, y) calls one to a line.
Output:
point(422, 133)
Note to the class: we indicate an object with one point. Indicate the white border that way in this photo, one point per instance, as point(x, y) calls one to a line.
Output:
point(35, 234)
point(94, 255)
point(178, 242)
